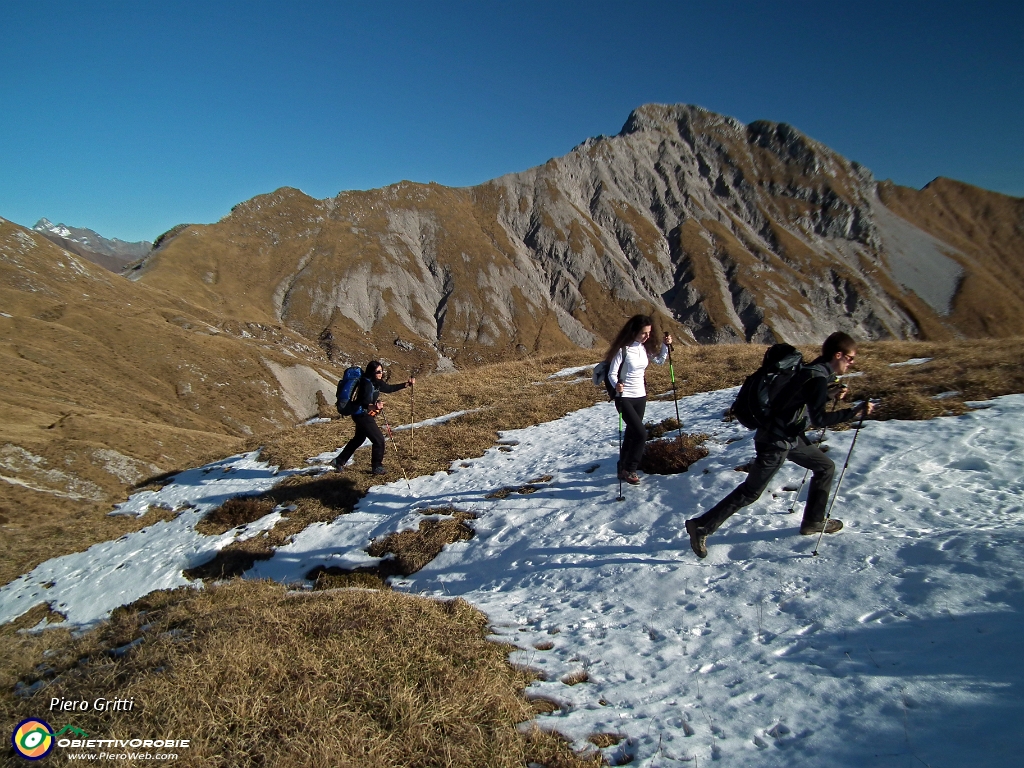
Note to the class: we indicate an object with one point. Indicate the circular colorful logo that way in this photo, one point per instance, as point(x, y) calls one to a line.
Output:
point(33, 739)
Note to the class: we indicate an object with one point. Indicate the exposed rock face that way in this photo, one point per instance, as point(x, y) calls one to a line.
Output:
point(726, 231)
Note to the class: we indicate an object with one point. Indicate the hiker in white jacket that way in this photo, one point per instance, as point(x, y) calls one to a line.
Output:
point(627, 360)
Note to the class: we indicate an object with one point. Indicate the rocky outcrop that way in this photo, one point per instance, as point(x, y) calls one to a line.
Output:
point(725, 231)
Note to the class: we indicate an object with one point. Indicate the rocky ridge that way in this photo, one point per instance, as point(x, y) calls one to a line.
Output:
point(112, 254)
point(725, 231)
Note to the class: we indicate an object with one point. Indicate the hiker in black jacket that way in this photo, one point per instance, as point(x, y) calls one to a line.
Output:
point(797, 408)
point(367, 398)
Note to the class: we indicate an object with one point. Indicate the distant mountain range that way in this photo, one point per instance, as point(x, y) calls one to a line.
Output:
point(726, 231)
point(111, 254)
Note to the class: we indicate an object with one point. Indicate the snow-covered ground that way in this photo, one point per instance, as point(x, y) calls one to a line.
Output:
point(899, 645)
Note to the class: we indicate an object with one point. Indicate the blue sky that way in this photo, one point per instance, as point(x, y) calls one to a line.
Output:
point(132, 117)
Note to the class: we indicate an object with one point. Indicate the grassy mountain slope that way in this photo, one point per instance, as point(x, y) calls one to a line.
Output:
point(109, 382)
point(987, 229)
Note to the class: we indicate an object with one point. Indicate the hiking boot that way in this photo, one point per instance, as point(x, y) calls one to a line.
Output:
point(698, 539)
point(629, 477)
point(378, 470)
point(827, 526)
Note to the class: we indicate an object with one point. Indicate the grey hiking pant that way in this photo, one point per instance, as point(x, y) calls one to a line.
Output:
point(768, 461)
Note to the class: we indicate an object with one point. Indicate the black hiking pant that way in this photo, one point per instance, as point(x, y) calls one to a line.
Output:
point(366, 428)
point(635, 439)
point(768, 461)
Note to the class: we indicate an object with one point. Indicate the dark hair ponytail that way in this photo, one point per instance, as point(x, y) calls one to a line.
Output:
point(628, 334)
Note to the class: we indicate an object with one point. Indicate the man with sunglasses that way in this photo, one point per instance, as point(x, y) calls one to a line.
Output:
point(796, 409)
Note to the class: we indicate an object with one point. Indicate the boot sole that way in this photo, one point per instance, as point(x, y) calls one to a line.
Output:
point(813, 531)
point(697, 550)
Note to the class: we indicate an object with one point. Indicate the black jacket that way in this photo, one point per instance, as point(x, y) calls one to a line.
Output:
point(369, 392)
point(801, 405)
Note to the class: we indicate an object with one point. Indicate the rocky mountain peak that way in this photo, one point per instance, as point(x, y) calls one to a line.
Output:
point(725, 231)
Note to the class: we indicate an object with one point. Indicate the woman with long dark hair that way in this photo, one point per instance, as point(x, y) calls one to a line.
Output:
point(627, 359)
point(367, 398)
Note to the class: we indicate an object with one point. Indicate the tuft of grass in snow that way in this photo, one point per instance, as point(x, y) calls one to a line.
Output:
point(411, 550)
point(662, 428)
point(673, 455)
point(577, 677)
point(605, 740)
point(404, 552)
point(233, 513)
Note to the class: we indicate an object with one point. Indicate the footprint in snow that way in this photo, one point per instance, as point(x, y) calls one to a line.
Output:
point(624, 528)
point(740, 552)
point(791, 649)
point(971, 464)
point(810, 629)
point(881, 616)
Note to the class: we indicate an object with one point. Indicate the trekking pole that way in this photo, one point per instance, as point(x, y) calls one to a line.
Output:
point(412, 417)
point(620, 497)
point(675, 394)
point(398, 454)
point(849, 453)
point(821, 437)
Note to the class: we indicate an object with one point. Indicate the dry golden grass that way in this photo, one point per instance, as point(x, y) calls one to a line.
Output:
point(662, 428)
point(972, 370)
point(403, 552)
point(253, 675)
point(411, 550)
point(302, 502)
point(233, 513)
point(542, 705)
point(605, 740)
point(577, 677)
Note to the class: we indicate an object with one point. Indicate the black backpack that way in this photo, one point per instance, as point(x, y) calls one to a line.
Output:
point(755, 405)
point(347, 389)
point(601, 376)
